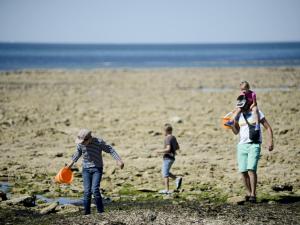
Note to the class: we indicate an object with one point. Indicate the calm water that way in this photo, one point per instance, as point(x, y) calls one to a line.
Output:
point(79, 56)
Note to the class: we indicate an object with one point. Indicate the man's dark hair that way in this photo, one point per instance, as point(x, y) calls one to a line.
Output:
point(242, 98)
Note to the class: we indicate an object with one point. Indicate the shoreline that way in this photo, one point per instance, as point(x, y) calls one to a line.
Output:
point(102, 69)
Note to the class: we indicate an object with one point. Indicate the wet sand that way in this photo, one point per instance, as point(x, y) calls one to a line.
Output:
point(42, 111)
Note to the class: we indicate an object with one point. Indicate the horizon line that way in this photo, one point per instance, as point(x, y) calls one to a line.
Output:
point(150, 43)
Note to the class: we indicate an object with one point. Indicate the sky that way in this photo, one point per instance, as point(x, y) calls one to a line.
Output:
point(149, 21)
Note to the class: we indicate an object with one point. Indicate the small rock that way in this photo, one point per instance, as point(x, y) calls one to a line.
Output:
point(146, 190)
point(3, 196)
point(156, 133)
point(7, 123)
point(75, 190)
point(45, 190)
point(26, 200)
point(63, 209)
point(284, 131)
point(138, 174)
point(283, 187)
point(106, 199)
point(238, 200)
point(112, 171)
point(294, 110)
point(176, 119)
point(4, 168)
point(49, 209)
point(67, 122)
point(60, 154)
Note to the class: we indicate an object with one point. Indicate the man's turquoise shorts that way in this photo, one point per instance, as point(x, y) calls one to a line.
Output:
point(248, 156)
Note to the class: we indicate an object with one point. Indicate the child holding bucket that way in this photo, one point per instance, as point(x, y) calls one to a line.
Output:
point(90, 148)
point(251, 98)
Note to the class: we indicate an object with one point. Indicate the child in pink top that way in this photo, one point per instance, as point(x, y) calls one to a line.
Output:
point(251, 99)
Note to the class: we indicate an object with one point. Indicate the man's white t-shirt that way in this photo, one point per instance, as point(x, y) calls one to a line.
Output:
point(244, 129)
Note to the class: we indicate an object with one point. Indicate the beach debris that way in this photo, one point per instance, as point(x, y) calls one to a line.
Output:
point(3, 169)
point(111, 171)
point(3, 196)
point(282, 187)
point(67, 122)
point(7, 123)
point(60, 154)
point(50, 208)
point(148, 190)
point(154, 133)
point(68, 208)
point(294, 110)
point(283, 131)
point(25, 200)
point(237, 200)
point(75, 189)
point(176, 119)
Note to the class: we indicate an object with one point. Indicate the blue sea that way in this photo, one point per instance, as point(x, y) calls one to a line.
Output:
point(18, 56)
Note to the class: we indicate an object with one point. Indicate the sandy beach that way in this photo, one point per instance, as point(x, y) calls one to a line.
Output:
point(42, 111)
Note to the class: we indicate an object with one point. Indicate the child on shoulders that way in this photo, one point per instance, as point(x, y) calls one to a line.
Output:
point(251, 98)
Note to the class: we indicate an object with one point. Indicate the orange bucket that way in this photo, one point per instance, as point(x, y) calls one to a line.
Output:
point(65, 175)
point(225, 119)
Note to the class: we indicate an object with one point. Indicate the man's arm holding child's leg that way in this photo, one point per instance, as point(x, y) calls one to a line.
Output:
point(235, 127)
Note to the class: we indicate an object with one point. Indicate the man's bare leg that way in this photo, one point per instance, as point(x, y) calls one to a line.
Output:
point(246, 181)
point(253, 181)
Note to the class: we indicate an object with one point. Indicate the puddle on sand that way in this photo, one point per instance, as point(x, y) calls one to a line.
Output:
point(69, 201)
point(6, 188)
point(61, 200)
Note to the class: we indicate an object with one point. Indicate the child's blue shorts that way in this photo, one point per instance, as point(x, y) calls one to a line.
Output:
point(167, 163)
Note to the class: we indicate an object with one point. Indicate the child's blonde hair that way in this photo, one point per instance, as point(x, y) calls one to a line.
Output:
point(245, 84)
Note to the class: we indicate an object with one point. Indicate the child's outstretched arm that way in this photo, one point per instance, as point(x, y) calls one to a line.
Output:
point(109, 149)
point(166, 150)
point(75, 157)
